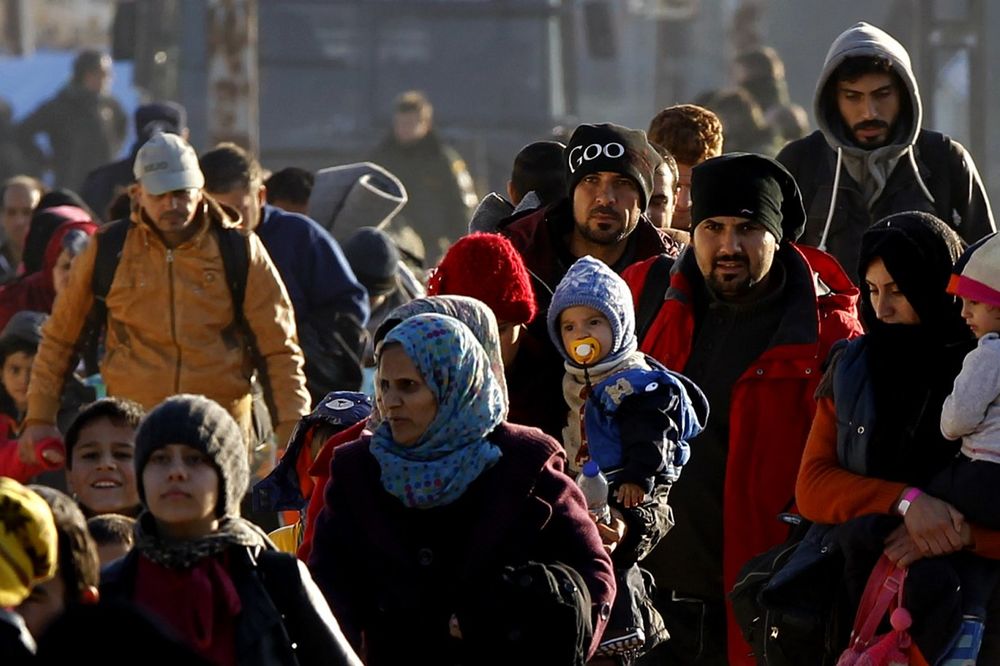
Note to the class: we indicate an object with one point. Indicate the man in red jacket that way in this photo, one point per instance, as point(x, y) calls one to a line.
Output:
point(750, 317)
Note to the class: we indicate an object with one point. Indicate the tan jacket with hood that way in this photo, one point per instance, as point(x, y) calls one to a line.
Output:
point(169, 327)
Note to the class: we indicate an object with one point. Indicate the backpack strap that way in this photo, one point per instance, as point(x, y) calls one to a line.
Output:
point(934, 151)
point(110, 241)
point(235, 250)
point(654, 290)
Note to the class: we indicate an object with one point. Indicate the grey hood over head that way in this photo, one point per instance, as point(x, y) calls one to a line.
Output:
point(870, 168)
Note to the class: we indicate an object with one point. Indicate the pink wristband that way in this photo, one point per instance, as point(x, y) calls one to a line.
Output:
point(904, 502)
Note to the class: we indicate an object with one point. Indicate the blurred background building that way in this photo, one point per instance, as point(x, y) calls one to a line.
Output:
point(311, 82)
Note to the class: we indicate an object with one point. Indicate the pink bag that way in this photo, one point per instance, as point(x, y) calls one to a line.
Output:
point(883, 594)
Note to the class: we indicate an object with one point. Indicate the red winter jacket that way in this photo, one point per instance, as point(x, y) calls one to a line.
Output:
point(772, 403)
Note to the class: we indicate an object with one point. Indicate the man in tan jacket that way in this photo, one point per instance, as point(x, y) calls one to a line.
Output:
point(170, 316)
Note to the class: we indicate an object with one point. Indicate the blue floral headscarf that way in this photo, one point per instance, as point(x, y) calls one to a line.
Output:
point(454, 451)
point(473, 313)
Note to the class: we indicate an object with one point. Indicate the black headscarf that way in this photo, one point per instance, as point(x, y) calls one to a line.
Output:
point(913, 367)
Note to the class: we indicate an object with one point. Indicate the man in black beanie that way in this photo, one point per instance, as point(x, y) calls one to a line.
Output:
point(750, 317)
point(609, 178)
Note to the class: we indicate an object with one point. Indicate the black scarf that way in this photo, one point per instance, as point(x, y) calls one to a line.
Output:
point(912, 370)
point(183, 554)
point(913, 367)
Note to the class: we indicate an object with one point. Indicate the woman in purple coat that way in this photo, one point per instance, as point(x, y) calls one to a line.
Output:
point(450, 536)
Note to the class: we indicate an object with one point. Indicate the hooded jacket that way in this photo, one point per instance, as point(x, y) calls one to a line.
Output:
point(37, 291)
point(772, 403)
point(845, 188)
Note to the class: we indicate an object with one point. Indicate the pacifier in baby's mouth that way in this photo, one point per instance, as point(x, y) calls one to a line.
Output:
point(585, 350)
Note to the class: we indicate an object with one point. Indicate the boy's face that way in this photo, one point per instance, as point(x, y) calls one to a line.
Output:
point(581, 322)
point(981, 317)
point(16, 373)
point(182, 490)
point(101, 473)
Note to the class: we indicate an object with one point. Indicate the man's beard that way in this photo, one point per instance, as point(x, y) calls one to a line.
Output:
point(735, 286)
point(872, 124)
point(612, 236)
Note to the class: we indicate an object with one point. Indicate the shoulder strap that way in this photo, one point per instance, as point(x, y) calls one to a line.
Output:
point(654, 290)
point(110, 241)
point(235, 250)
point(934, 151)
point(884, 586)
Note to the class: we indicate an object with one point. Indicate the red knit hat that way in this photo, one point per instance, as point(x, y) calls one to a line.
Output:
point(487, 267)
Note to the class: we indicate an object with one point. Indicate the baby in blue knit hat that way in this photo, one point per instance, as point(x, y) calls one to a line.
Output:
point(627, 412)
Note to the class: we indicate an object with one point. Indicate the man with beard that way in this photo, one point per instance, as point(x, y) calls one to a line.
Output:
point(609, 180)
point(173, 324)
point(750, 317)
point(870, 158)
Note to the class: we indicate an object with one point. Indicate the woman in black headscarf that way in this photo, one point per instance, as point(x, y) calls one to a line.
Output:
point(876, 439)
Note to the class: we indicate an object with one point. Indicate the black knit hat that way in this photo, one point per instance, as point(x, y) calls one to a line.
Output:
point(202, 424)
point(374, 258)
point(750, 186)
point(609, 147)
point(24, 331)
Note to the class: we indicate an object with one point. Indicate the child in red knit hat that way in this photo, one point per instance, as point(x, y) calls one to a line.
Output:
point(488, 268)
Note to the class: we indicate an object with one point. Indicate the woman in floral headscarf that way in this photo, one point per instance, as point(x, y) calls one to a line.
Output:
point(447, 515)
point(474, 314)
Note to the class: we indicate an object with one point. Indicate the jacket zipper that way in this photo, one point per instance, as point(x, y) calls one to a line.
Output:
point(173, 320)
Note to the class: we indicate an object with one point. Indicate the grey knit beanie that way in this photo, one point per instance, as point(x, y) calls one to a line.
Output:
point(591, 283)
point(202, 424)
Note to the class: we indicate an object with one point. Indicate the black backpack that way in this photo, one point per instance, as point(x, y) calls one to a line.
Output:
point(783, 598)
point(110, 241)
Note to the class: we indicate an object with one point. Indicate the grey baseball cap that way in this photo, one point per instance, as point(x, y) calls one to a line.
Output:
point(166, 163)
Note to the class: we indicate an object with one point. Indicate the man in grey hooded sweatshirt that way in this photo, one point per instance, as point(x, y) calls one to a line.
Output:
point(870, 158)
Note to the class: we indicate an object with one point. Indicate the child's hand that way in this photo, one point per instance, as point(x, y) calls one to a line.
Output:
point(630, 495)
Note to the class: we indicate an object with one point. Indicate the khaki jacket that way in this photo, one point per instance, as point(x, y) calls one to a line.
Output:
point(169, 327)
